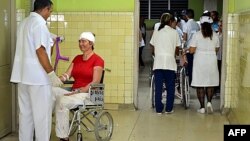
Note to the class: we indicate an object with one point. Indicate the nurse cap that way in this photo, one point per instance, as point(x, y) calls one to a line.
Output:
point(206, 19)
point(87, 35)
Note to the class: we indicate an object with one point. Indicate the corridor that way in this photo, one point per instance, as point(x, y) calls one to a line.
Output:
point(145, 125)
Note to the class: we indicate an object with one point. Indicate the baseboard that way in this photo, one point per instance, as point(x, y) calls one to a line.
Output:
point(114, 106)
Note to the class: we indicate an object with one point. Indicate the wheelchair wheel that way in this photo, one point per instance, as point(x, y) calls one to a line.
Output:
point(103, 126)
point(187, 94)
point(151, 72)
point(150, 76)
point(152, 91)
point(183, 84)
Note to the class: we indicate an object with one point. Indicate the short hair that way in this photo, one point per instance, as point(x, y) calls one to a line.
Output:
point(184, 12)
point(40, 4)
point(216, 13)
point(190, 13)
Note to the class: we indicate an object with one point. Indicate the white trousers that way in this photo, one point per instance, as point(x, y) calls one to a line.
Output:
point(62, 106)
point(35, 103)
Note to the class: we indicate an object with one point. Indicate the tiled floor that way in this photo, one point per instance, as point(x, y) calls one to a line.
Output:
point(145, 125)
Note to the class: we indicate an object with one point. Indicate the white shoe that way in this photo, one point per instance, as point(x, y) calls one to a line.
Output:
point(209, 108)
point(201, 110)
point(169, 112)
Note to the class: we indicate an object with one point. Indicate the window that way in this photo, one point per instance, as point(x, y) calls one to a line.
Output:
point(152, 9)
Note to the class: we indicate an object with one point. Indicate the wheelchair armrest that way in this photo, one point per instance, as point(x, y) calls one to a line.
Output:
point(100, 85)
point(68, 82)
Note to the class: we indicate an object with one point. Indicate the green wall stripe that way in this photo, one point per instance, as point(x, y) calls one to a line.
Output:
point(94, 5)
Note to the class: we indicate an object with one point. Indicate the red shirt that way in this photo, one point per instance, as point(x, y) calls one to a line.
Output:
point(83, 70)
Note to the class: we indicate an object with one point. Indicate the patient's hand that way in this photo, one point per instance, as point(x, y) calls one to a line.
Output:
point(69, 94)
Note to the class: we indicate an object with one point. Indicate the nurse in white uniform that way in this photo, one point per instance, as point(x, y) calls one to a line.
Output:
point(166, 44)
point(204, 45)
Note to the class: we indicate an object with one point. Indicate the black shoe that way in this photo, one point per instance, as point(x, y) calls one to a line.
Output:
point(61, 139)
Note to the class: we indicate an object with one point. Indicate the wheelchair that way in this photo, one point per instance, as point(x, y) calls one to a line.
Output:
point(92, 117)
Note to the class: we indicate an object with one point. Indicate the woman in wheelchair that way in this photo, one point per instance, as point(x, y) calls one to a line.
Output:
point(85, 69)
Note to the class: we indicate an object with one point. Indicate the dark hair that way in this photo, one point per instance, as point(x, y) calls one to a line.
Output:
point(206, 30)
point(183, 12)
point(166, 19)
point(40, 4)
point(216, 14)
point(190, 13)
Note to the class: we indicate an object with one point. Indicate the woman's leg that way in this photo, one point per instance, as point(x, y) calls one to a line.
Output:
point(62, 117)
point(190, 58)
point(57, 92)
point(63, 105)
point(201, 96)
point(210, 93)
point(169, 76)
point(158, 90)
point(141, 63)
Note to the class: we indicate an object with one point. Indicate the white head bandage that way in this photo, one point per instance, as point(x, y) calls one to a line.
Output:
point(87, 35)
point(206, 19)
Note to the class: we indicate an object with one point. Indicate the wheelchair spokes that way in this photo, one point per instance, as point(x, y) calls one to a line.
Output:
point(184, 88)
point(103, 126)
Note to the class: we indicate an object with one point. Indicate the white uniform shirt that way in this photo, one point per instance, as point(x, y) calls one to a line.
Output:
point(165, 42)
point(32, 33)
point(183, 24)
point(178, 29)
point(156, 26)
point(190, 28)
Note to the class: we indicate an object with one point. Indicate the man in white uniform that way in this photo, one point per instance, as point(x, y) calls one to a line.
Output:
point(34, 74)
point(189, 29)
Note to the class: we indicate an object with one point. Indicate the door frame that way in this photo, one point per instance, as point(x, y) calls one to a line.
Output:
point(13, 26)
